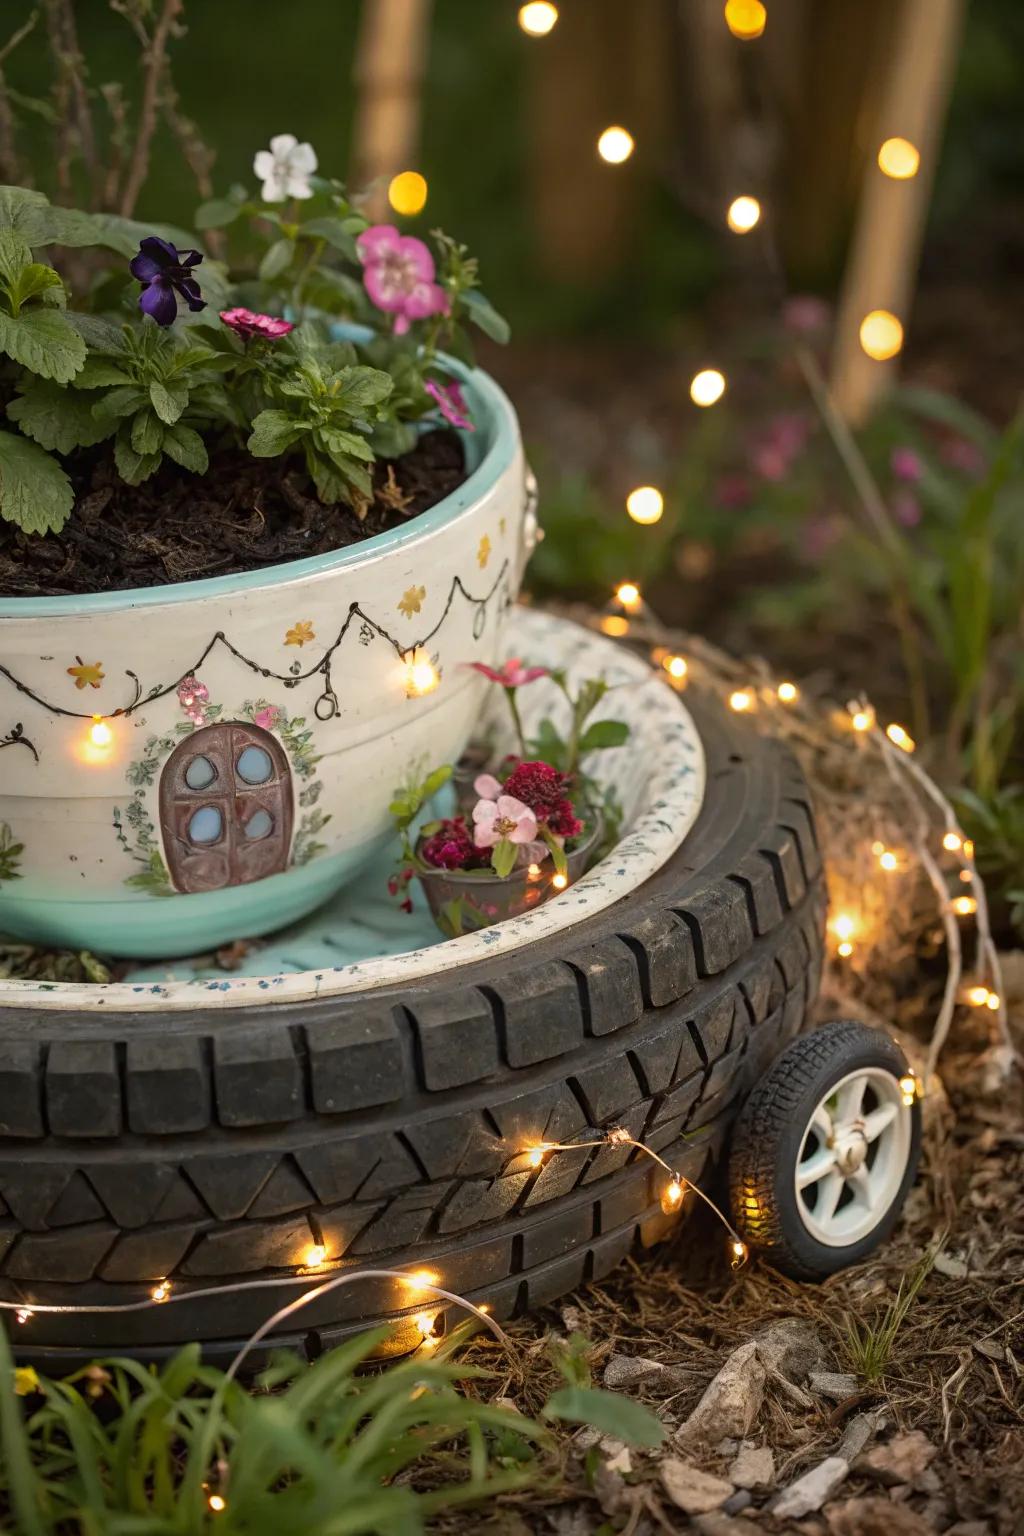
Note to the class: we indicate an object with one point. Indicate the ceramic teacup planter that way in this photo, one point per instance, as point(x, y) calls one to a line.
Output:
point(231, 744)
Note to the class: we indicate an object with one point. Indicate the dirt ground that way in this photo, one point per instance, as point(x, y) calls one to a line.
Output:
point(938, 1389)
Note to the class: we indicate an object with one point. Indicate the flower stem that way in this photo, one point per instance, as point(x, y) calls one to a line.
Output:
point(510, 695)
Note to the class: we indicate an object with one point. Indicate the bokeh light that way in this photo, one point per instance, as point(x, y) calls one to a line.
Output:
point(881, 335)
point(899, 159)
point(743, 214)
point(538, 17)
point(615, 145)
point(707, 386)
point(645, 505)
point(746, 19)
point(407, 192)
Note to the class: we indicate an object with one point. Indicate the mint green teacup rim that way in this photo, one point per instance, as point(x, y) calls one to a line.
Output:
point(493, 444)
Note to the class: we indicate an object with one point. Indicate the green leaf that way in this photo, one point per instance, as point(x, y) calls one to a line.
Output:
point(102, 334)
point(604, 733)
point(272, 433)
point(58, 418)
point(35, 493)
point(608, 1412)
point(123, 400)
point(186, 448)
point(483, 314)
point(361, 386)
point(132, 466)
point(44, 341)
point(168, 403)
point(36, 281)
point(98, 373)
point(557, 851)
point(217, 213)
point(335, 233)
point(503, 857)
point(147, 433)
point(341, 443)
point(278, 259)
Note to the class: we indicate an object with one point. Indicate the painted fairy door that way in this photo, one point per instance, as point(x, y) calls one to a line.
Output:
point(226, 807)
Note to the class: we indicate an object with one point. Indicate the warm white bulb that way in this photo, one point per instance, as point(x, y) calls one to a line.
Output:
point(421, 675)
point(900, 738)
point(899, 159)
point(741, 701)
point(743, 214)
point(881, 335)
point(615, 145)
point(787, 693)
point(560, 882)
point(645, 505)
point(628, 594)
point(707, 387)
point(676, 667)
point(952, 842)
point(538, 18)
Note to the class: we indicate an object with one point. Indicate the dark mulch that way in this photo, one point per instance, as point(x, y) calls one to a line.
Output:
point(242, 515)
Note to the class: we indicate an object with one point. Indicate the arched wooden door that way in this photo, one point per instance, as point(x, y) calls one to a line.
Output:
point(226, 807)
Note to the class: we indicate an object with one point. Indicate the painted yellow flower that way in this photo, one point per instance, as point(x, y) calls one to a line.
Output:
point(483, 554)
point(412, 601)
point(501, 526)
point(87, 674)
point(25, 1381)
point(300, 634)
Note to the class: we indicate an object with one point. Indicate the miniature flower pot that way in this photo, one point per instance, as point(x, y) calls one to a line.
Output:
point(188, 764)
point(463, 900)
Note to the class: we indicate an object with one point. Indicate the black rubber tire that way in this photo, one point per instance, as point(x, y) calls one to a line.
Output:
point(211, 1145)
point(767, 1140)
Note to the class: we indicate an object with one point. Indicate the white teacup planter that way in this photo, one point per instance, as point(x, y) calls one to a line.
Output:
point(184, 765)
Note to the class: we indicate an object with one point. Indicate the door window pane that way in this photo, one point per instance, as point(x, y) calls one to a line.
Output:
point(205, 825)
point(254, 765)
point(200, 773)
point(260, 824)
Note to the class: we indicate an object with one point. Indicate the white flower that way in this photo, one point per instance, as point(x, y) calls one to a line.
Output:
point(285, 168)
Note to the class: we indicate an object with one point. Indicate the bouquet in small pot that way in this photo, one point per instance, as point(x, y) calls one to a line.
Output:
point(525, 827)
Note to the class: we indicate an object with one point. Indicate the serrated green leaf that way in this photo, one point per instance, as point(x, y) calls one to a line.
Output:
point(36, 281)
point(35, 493)
point(57, 418)
point(482, 313)
point(360, 386)
point(44, 341)
point(123, 400)
point(272, 433)
point(608, 1412)
point(339, 442)
point(147, 433)
point(186, 448)
point(277, 259)
point(98, 374)
point(133, 467)
point(101, 334)
point(168, 402)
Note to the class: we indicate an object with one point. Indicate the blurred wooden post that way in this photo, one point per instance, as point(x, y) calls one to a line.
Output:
point(390, 61)
point(882, 264)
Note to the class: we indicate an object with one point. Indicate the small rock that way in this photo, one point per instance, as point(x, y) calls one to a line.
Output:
point(621, 1462)
point(991, 1350)
point(737, 1502)
point(950, 1265)
point(610, 1488)
point(754, 1467)
point(837, 1385)
point(792, 1347)
point(731, 1400)
point(857, 1434)
point(629, 1371)
point(691, 1490)
point(572, 1319)
point(810, 1491)
point(902, 1459)
point(875, 1517)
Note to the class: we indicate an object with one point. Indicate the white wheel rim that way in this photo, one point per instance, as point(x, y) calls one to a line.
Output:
point(853, 1155)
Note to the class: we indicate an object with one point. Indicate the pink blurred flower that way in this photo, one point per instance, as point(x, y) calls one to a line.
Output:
point(906, 464)
point(504, 817)
point(961, 453)
point(805, 314)
point(733, 492)
point(450, 402)
point(398, 274)
point(512, 674)
point(488, 787)
point(246, 322)
point(770, 461)
point(906, 509)
point(820, 533)
point(193, 697)
point(268, 717)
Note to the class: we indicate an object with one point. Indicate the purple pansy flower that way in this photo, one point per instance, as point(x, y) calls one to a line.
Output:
point(163, 270)
point(398, 274)
point(451, 403)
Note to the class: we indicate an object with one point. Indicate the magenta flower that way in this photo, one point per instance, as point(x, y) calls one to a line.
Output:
point(398, 274)
point(961, 453)
point(501, 818)
point(164, 271)
point(450, 402)
point(906, 509)
point(512, 674)
point(267, 717)
point(247, 323)
point(906, 464)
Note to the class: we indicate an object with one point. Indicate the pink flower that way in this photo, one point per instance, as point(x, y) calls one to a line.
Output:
point(193, 696)
point(247, 323)
point(961, 453)
point(504, 817)
point(450, 402)
point(398, 274)
point(906, 509)
point(488, 787)
point(512, 673)
point(805, 314)
point(267, 717)
point(733, 492)
point(770, 461)
point(906, 464)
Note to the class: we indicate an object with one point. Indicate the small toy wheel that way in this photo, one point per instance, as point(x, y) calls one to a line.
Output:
point(824, 1151)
